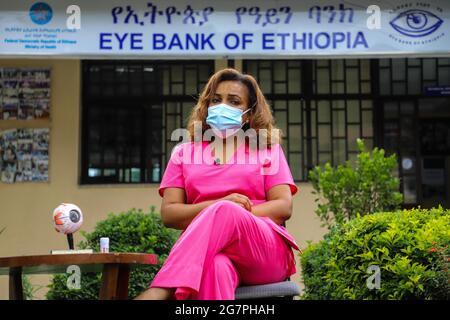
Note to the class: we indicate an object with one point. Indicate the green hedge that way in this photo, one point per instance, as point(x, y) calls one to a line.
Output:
point(410, 247)
point(131, 231)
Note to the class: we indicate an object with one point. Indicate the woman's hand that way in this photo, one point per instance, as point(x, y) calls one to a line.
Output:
point(240, 199)
point(278, 206)
point(177, 214)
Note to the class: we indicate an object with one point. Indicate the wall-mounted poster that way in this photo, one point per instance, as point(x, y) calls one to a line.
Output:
point(24, 93)
point(24, 155)
point(24, 151)
point(8, 151)
point(40, 154)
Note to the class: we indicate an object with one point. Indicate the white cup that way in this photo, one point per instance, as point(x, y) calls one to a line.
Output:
point(104, 245)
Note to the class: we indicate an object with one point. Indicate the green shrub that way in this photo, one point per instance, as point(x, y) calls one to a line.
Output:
point(365, 187)
point(29, 289)
point(132, 231)
point(410, 247)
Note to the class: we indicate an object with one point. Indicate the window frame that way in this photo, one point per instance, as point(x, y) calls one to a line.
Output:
point(309, 98)
point(144, 101)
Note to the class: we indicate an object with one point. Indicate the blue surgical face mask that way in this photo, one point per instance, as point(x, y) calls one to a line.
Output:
point(224, 119)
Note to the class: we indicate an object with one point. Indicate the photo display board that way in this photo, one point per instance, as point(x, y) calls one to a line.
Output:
point(24, 94)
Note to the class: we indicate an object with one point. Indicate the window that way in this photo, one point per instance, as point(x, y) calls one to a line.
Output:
point(341, 76)
point(341, 109)
point(412, 76)
point(321, 106)
point(337, 124)
point(281, 83)
point(130, 109)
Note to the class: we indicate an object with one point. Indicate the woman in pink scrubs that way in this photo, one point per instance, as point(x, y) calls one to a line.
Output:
point(231, 211)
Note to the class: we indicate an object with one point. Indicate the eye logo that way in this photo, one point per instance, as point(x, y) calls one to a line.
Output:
point(416, 23)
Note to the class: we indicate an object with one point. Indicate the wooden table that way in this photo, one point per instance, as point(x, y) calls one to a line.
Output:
point(115, 268)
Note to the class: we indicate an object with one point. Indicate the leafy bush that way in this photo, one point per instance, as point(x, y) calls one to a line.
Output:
point(132, 231)
point(364, 187)
point(410, 247)
point(29, 289)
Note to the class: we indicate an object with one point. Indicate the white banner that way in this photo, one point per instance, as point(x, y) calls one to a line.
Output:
point(212, 29)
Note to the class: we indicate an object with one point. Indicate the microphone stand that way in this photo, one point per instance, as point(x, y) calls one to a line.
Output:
point(70, 241)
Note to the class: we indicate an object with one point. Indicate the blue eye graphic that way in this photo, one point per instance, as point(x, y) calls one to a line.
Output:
point(416, 23)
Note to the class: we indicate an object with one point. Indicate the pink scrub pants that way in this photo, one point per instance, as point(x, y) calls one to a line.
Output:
point(224, 246)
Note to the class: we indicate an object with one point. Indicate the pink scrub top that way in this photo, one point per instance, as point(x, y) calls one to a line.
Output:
point(249, 172)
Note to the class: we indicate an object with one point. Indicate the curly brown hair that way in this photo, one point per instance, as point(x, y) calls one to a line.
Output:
point(260, 117)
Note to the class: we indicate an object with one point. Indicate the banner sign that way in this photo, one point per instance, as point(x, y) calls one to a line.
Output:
point(211, 29)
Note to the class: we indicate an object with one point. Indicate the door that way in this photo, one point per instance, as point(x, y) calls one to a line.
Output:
point(434, 143)
point(400, 136)
point(418, 131)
